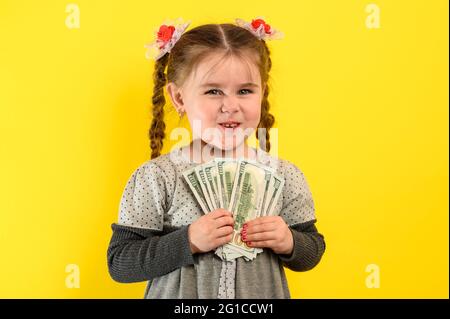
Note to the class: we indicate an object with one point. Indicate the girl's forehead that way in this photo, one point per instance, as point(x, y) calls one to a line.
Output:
point(225, 70)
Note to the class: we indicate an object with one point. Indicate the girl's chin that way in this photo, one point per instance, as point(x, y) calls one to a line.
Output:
point(225, 145)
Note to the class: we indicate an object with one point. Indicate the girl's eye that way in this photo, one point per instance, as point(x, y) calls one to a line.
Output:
point(249, 91)
point(213, 90)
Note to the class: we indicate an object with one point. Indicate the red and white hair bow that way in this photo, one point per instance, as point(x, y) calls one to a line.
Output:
point(166, 36)
point(260, 29)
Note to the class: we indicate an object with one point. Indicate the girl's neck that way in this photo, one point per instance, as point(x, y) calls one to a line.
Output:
point(201, 152)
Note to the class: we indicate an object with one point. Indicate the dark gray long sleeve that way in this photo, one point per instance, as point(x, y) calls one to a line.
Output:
point(309, 246)
point(136, 254)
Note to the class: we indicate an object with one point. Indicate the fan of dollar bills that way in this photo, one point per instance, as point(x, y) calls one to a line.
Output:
point(245, 187)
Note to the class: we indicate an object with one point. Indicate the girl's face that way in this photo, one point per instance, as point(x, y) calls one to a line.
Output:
point(222, 100)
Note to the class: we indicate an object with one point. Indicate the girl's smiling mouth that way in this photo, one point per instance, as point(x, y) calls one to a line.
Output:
point(230, 124)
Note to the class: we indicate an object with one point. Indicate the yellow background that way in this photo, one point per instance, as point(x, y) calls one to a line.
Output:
point(363, 113)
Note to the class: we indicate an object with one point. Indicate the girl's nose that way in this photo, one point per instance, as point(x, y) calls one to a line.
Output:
point(230, 105)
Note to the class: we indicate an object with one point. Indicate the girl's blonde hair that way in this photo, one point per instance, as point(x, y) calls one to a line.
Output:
point(193, 46)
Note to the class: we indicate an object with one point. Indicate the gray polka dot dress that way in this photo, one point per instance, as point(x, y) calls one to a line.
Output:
point(156, 196)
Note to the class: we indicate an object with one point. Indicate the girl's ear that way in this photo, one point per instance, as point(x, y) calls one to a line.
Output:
point(175, 95)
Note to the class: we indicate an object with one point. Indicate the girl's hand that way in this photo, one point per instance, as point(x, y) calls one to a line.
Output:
point(211, 231)
point(268, 231)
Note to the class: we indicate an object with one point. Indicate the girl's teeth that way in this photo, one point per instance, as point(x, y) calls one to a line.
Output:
point(230, 125)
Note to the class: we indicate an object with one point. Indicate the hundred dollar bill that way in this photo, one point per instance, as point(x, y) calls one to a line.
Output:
point(273, 193)
point(210, 170)
point(226, 169)
point(228, 254)
point(268, 173)
point(194, 184)
point(246, 199)
point(203, 184)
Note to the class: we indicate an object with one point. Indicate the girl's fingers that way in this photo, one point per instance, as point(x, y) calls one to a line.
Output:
point(220, 213)
point(262, 220)
point(224, 231)
point(262, 243)
point(224, 220)
point(270, 235)
point(266, 227)
point(224, 239)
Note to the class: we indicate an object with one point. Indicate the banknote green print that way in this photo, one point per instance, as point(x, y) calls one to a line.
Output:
point(245, 187)
point(245, 207)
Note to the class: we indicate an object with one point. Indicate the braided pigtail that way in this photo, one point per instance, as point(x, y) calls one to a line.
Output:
point(267, 120)
point(157, 128)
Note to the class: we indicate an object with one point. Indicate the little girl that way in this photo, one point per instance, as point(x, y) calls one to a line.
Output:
point(217, 75)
